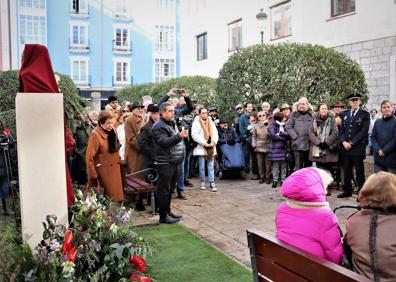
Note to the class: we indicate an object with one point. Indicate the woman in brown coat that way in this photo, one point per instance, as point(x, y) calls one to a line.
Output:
point(103, 159)
point(370, 232)
point(323, 134)
point(260, 141)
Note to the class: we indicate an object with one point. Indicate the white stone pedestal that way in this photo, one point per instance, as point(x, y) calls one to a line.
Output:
point(41, 161)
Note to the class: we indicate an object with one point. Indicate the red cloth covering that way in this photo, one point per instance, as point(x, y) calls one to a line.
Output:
point(37, 76)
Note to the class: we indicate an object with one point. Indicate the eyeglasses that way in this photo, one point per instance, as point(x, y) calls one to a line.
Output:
point(261, 116)
point(125, 111)
point(239, 109)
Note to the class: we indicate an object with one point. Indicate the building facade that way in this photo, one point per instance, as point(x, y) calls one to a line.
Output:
point(103, 45)
point(365, 30)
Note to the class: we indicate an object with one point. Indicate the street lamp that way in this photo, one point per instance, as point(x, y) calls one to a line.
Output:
point(261, 21)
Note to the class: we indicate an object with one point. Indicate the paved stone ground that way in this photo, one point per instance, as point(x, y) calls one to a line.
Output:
point(222, 218)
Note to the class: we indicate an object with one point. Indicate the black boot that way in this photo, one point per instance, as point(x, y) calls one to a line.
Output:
point(274, 184)
point(5, 211)
point(261, 181)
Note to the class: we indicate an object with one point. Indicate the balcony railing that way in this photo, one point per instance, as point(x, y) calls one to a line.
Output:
point(83, 83)
point(123, 49)
point(79, 48)
point(122, 83)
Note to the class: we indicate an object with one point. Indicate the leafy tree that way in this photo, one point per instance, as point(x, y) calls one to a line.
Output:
point(283, 73)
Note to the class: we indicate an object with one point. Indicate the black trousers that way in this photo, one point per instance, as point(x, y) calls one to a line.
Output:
point(168, 174)
point(351, 162)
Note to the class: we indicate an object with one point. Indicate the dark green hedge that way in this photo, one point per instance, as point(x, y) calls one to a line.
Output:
point(8, 120)
point(283, 73)
point(201, 89)
point(8, 88)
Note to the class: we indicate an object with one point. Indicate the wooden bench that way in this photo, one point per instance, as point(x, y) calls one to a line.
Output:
point(273, 260)
point(136, 184)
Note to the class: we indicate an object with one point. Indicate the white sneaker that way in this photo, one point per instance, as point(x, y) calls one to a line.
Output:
point(213, 187)
point(202, 187)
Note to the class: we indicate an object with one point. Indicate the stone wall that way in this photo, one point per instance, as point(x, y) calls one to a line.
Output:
point(374, 57)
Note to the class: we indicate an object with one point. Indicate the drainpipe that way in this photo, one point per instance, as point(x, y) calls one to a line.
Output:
point(101, 44)
point(9, 33)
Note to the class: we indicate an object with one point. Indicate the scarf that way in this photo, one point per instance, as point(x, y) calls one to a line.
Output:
point(112, 140)
point(207, 129)
point(281, 126)
point(323, 130)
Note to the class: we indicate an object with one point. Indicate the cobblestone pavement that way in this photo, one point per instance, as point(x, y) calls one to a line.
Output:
point(222, 218)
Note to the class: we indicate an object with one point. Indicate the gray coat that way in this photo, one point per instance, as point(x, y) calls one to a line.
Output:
point(329, 156)
point(297, 126)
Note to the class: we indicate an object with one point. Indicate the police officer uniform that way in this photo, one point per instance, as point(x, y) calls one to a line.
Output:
point(354, 130)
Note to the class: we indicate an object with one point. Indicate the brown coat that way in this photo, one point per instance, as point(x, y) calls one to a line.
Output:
point(260, 138)
point(133, 158)
point(357, 237)
point(103, 165)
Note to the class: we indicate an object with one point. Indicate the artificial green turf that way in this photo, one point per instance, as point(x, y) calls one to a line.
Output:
point(182, 256)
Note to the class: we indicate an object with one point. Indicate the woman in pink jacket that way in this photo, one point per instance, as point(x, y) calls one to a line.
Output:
point(305, 220)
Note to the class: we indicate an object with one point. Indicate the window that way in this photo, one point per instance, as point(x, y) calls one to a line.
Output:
point(79, 6)
point(32, 29)
point(121, 9)
point(235, 36)
point(79, 70)
point(281, 20)
point(339, 7)
point(121, 72)
point(202, 46)
point(36, 4)
point(168, 5)
point(121, 39)
point(79, 35)
point(165, 38)
point(164, 69)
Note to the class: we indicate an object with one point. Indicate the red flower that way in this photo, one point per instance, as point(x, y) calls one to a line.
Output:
point(135, 277)
point(139, 263)
point(69, 238)
point(6, 131)
point(71, 255)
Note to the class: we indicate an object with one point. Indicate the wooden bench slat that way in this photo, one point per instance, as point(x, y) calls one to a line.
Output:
point(277, 273)
point(137, 185)
point(140, 182)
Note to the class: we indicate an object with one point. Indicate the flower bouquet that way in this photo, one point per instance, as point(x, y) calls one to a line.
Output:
point(99, 245)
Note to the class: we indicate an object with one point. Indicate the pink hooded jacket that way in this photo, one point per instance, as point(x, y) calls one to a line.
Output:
point(305, 220)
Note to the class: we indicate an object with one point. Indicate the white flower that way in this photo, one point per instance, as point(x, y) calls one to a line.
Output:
point(114, 228)
point(55, 246)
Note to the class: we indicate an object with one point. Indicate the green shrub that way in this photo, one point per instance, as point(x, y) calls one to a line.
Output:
point(283, 73)
point(8, 120)
point(8, 89)
point(201, 89)
point(72, 102)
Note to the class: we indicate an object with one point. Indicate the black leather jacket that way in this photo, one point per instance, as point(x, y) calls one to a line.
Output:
point(168, 145)
point(228, 136)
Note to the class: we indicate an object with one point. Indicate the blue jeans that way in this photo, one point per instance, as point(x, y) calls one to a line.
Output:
point(201, 164)
point(180, 177)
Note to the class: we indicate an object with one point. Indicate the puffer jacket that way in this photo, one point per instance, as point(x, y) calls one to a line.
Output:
point(197, 134)
point(304, 225)
point(260, 137)
point(278, 143)
point(168, 145)
point(297, 126)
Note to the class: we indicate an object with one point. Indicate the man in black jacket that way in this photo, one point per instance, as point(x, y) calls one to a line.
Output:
point(353, 140)
point(181, 110)
point(168, 154)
